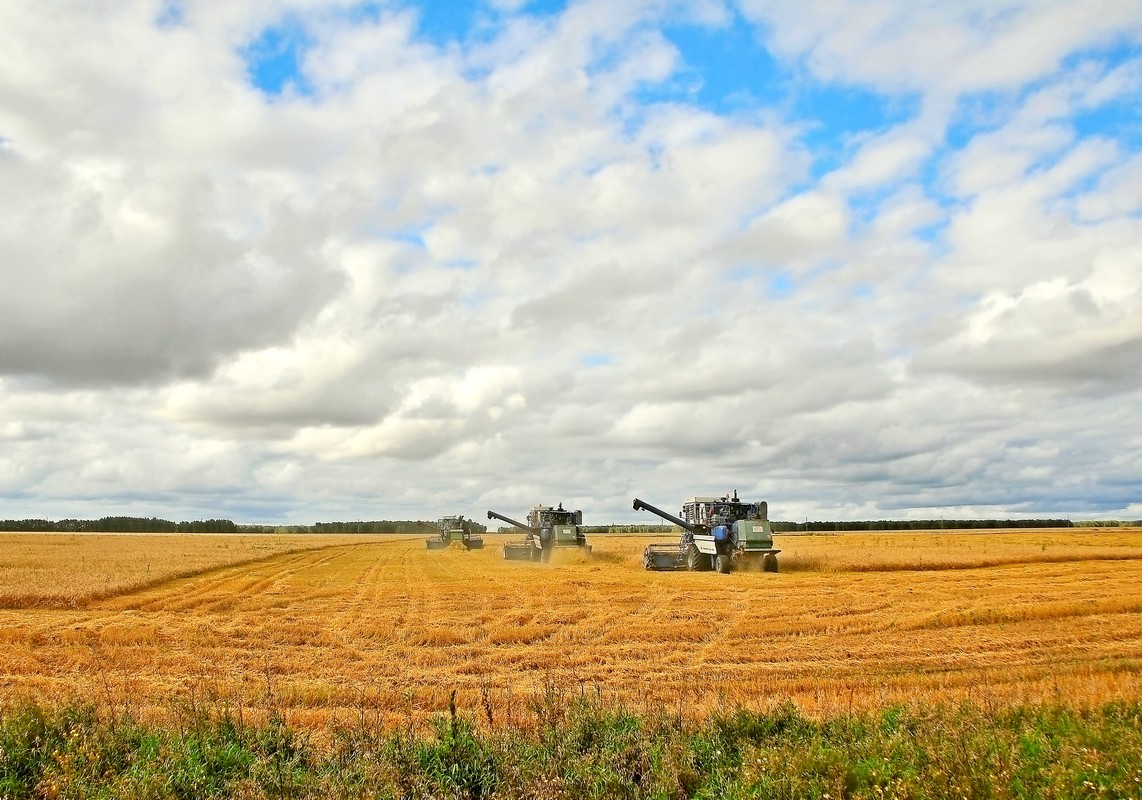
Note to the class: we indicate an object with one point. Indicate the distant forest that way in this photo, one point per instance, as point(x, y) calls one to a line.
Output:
point(120, 525)
point(918, 525)
point(876, 525)
point(156, 525)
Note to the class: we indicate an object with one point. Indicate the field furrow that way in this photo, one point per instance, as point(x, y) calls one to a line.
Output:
point(388, 627)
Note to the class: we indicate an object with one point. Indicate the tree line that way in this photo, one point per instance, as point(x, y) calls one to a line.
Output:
point(387, 526)
point(121, 524)
point(867, 525)
point(918, 525)
point(156, 525)
point(655, 528)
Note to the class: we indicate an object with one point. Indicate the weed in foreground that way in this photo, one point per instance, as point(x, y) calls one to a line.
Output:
point(586, 750)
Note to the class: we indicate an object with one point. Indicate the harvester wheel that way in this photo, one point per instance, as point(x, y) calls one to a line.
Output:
point(769, 563)
point(722, 564)
point(696, 560)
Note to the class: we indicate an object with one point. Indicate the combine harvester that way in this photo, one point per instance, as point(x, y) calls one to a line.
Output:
point(455, 529)
point(547, 528)
point(717, 532)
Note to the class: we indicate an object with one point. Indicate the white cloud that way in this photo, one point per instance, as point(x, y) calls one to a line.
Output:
point(1056, 331)
point(1115, 194)
point(882, 161)
point(937, 47)
point(492, 273)
point(801, 230)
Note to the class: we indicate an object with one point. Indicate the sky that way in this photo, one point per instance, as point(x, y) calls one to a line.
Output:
point(309, 260)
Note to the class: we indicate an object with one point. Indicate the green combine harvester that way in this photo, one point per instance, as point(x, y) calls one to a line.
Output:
point(455, 530)
point(547, 528)
point(719, 533)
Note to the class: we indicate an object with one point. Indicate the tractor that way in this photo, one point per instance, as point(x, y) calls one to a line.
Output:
point(718, 533)
point(547, 528)
point(455, 529)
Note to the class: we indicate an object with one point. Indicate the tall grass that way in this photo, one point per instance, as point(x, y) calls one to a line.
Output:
point(579, 747)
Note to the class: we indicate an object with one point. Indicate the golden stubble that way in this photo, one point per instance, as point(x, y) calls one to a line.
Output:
point(71, 570)
point(387, 629)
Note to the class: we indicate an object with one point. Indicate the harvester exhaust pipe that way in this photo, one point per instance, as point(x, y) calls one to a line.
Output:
point(681, 523)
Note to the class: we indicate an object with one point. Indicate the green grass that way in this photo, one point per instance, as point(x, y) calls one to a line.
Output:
point(584, 749)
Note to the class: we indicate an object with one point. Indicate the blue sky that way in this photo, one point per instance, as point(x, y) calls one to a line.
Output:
point(727, 69)
point(861, 260)
point(275, 58)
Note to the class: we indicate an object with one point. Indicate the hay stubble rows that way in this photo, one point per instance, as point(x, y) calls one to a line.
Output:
point(384, 627)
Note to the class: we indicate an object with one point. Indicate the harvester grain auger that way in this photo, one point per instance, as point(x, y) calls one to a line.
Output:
point(455, 529)
point(717, 532)
point(547, 528)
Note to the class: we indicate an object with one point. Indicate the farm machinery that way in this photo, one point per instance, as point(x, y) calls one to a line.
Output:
point(455, 529)
point(547, 528)
point(718, 533)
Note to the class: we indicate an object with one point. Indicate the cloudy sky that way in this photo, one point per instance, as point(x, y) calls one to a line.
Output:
point(303, 260)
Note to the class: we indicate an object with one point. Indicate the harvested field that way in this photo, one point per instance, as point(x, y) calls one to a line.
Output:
point(385, 628)
point(70, 570)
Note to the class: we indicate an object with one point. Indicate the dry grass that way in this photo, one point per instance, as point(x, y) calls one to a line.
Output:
point(937, 550)
point(389, 629)
point(71, 570)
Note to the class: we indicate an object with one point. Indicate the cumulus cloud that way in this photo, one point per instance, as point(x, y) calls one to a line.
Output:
point(1054, 332)
point(507, 266)
point(939, 47)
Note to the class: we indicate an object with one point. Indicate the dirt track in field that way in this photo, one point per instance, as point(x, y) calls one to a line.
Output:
point(391, 629)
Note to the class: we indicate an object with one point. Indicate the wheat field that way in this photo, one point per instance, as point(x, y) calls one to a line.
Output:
point(69, 570)
point(323, 630)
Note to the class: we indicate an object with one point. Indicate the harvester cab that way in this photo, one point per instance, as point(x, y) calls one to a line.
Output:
point(455, 529)
point(547, 528)
point(717, 533)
